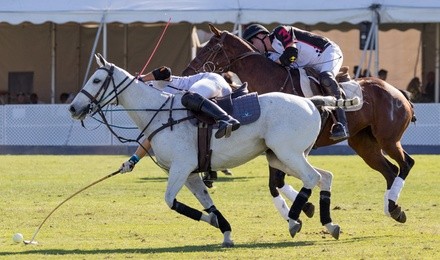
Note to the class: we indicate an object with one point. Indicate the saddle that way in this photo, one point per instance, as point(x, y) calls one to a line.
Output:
point(309, 85)
point(242, 105)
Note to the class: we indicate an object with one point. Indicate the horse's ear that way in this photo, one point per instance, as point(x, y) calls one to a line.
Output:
point(100, 60)
point(214, 30)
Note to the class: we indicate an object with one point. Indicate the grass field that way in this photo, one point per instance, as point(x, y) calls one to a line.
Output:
point(126, 216)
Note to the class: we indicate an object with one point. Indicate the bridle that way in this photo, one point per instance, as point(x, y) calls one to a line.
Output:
point(207, 64)
point(96, 100)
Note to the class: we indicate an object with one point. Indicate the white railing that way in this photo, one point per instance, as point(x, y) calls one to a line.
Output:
point(51, 125)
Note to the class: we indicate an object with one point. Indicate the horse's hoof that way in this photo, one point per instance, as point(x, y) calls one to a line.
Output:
point(227, 172)
point(294, 227)
point(228, 244)
point(334, 230)
point(309, 209)
point(398, 215)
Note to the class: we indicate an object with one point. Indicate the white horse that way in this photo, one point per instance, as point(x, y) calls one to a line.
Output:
point(286, 131)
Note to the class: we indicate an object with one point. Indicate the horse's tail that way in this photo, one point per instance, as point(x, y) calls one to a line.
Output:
point(330, 101)
point(407, 95)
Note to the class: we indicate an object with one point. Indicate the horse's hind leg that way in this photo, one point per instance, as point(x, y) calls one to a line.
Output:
point(277, 184)
point(396, 152)
point(369, 150)
point(296, 165)
point(195, 184)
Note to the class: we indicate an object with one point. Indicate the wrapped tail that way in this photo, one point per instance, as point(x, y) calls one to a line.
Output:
point(332, 102)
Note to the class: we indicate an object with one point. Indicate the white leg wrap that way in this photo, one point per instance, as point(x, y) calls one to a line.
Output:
point(396, 188)
point(289, 192)
point(385, 203)
point(281, 206)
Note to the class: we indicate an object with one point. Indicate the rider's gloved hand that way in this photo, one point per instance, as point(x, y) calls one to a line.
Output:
point(128, 166)
point(162, 73)
point(289, 56)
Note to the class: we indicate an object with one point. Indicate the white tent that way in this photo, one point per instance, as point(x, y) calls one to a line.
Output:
point(197, 11)
point(233, 11)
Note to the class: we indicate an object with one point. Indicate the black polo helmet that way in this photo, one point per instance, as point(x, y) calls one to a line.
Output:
point(253, 30)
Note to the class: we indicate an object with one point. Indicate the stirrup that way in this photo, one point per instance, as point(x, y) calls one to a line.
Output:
point(338, 132)
point(225, 128)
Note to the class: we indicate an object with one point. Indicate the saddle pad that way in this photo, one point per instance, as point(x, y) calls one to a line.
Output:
point(351, 89)
point(246, 108)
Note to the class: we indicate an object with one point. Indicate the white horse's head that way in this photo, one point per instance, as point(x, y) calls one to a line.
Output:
point(101, 89)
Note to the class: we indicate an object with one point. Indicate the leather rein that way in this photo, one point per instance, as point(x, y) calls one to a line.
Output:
point(99, 97)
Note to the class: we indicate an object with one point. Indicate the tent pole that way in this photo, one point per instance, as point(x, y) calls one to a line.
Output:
point(437, 63)
point(364, 51)
point(376, 46)
point(53, 63)
point(86, 76)
point(125, 46)
point(104, 40)
point(195, 42)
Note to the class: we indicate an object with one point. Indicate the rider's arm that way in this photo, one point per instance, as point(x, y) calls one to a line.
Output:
point(140, 152)
point(285, 43)
point(161, 73)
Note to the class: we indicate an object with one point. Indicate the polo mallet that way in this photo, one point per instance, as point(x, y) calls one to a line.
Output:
point(27, 242)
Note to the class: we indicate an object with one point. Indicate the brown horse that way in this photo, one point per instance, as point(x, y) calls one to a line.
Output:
point(375, 129)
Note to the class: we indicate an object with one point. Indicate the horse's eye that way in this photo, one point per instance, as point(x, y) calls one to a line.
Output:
point(96, 81)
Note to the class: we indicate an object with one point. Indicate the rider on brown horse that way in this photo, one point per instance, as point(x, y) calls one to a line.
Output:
point(297, 48)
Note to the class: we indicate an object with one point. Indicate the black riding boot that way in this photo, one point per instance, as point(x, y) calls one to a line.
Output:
point(339, 129)
point(226, 123)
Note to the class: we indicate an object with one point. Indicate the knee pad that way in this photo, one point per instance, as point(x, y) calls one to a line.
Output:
point(192, 101)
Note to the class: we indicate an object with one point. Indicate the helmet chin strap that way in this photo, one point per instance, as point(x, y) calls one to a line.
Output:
point(262, 41)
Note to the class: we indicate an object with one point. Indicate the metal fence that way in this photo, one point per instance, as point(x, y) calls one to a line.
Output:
point(51, 125)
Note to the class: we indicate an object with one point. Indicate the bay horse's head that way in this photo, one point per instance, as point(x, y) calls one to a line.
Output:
point(100, 90)
point(219, 53)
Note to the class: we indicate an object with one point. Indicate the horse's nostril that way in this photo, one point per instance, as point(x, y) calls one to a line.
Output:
point(72, 109)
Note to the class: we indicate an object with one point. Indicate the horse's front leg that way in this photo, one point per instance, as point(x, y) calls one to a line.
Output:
point(324, 203)
point(214, 217)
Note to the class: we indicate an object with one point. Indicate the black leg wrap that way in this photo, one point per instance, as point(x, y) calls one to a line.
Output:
point(324, 207)
point(280, 178)
point(187, 211)
point(298, 204)
point(223, 224)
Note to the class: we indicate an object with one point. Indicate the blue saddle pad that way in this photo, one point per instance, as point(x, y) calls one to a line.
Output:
point(246, 108)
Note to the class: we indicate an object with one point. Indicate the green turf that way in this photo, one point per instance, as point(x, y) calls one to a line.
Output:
point(126, 216)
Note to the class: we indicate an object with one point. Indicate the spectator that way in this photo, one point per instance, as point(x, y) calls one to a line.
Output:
point(64, 97)
point(382, 74)
point(22, 98)
point(414, 87)
point(428, 89)
point(365, 73)
point(33, 98)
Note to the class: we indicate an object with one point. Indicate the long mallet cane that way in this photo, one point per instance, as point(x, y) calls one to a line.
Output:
point(27, 242)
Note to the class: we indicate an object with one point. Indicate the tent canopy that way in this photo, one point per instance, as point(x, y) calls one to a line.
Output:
point(238, 11)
